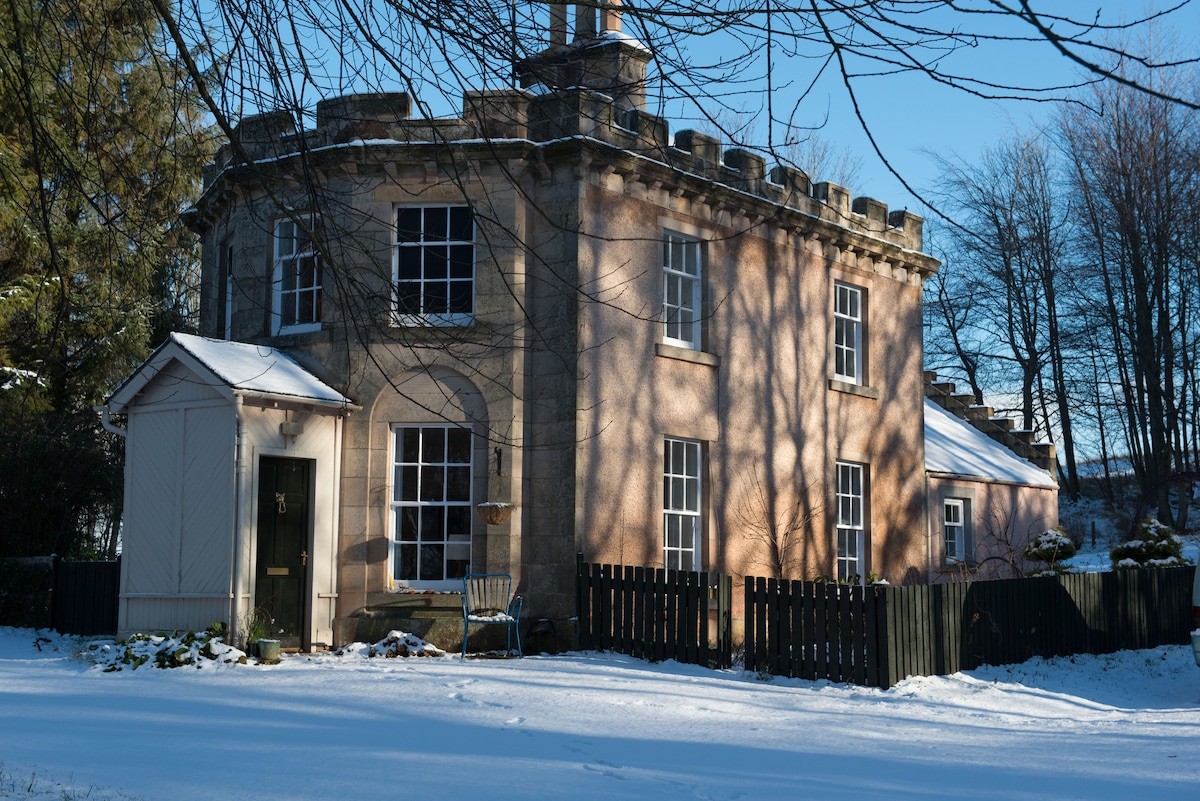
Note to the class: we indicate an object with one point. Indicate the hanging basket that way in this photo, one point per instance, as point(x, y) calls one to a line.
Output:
point(494, 513)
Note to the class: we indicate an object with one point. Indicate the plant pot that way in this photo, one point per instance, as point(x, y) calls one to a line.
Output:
point(268, 650)
point(494, 513)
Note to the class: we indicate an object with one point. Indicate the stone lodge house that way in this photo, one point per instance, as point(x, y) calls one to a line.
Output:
point(658, 352)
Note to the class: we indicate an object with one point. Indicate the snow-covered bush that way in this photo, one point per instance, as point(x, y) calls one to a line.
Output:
point(188, 650)
point(1052, 547)
point(397, 643)
point(1153, 545)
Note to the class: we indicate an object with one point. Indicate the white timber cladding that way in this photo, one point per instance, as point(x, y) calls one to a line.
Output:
point(179, 518)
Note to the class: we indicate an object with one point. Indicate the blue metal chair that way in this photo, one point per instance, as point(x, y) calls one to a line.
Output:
point(488, 600)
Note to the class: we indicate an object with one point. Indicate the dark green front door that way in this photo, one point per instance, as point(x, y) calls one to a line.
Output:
point(283, 539)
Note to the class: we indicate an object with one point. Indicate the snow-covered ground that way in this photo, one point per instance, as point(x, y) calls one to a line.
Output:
point(590, 726)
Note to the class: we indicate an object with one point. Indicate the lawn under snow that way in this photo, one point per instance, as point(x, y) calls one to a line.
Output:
point(590, 726)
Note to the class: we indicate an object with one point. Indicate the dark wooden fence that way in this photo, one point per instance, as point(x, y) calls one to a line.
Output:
point(70, 597)
point(879, 635)
point(26, 585)
point(655, 614)
point(85, 597)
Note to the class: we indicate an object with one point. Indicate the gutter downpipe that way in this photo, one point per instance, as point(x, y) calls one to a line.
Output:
point(239, 467)
point(107, 423)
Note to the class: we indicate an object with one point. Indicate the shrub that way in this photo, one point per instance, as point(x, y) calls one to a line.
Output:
point(1052, 547)
point(190, 650)
point(1153, 545)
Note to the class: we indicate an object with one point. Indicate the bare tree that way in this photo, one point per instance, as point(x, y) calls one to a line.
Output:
point(1012, 229)
point(779, 524)
point(1136, 173)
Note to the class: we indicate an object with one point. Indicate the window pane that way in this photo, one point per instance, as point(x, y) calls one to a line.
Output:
point(406, 570)
point(458, 446)
point(461, 297)
point(462, 259)
point(409, 264)
point(283, 238)
point(408, 224)
point(458, 483)
point(406, 524)
point(410, 446)
point(435, 263)
point(458, 522)
point(432, 562)
point(436, 224)
point(433, 480)
point(434, 446)
point(433, 524)
point(436, 300)
point(462, 224)
point(408, 297)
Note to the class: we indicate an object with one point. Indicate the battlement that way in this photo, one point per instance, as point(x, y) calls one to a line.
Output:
point(1001, 429)
point(520, 114)
point(591, 88)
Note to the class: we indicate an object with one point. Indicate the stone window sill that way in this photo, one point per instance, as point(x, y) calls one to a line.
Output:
point(686, 355)
point(853, 389)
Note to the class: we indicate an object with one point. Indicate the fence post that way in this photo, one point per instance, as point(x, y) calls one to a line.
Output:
point(874, 645)
point(724, 654)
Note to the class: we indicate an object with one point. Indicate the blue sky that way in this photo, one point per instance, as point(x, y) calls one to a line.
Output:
point(912, 117)
point(909, 114)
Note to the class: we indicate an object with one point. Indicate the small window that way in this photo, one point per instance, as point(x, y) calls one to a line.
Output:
point(434, 269)
point(431, 505)
point(296, 282)
point(850, 522)
point(954, 529)
point(224, 302)
point(848, 334)
point(682, 290)
point(682, 463)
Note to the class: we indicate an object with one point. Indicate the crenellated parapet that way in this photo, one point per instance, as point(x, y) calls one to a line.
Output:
point(1001, 429)
point(589, 93)
point(638, 144)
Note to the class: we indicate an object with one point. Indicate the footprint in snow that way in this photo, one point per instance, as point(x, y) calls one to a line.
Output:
point(606, 769)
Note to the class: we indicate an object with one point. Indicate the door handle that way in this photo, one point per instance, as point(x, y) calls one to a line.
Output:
point(304, 558)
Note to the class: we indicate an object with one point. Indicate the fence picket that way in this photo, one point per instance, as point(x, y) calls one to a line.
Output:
point(879, 635)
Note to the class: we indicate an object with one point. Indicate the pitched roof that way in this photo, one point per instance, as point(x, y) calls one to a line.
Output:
point(955, 447)
point(236, 368)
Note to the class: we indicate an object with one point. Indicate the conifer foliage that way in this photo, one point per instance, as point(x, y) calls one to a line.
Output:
point(100, 148)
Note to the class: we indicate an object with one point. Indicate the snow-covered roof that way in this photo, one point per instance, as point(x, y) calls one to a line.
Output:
point(240, 367)
point(955, 447)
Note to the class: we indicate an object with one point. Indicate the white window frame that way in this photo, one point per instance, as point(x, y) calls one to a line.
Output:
point(425, 515)
point(683, 502)
point(850, 521)
point(683, 281)
point(305, 300)
point(848, 362)
point(954, 531)
point(422, 249)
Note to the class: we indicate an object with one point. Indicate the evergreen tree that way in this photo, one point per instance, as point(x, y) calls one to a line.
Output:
point(100, 149)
